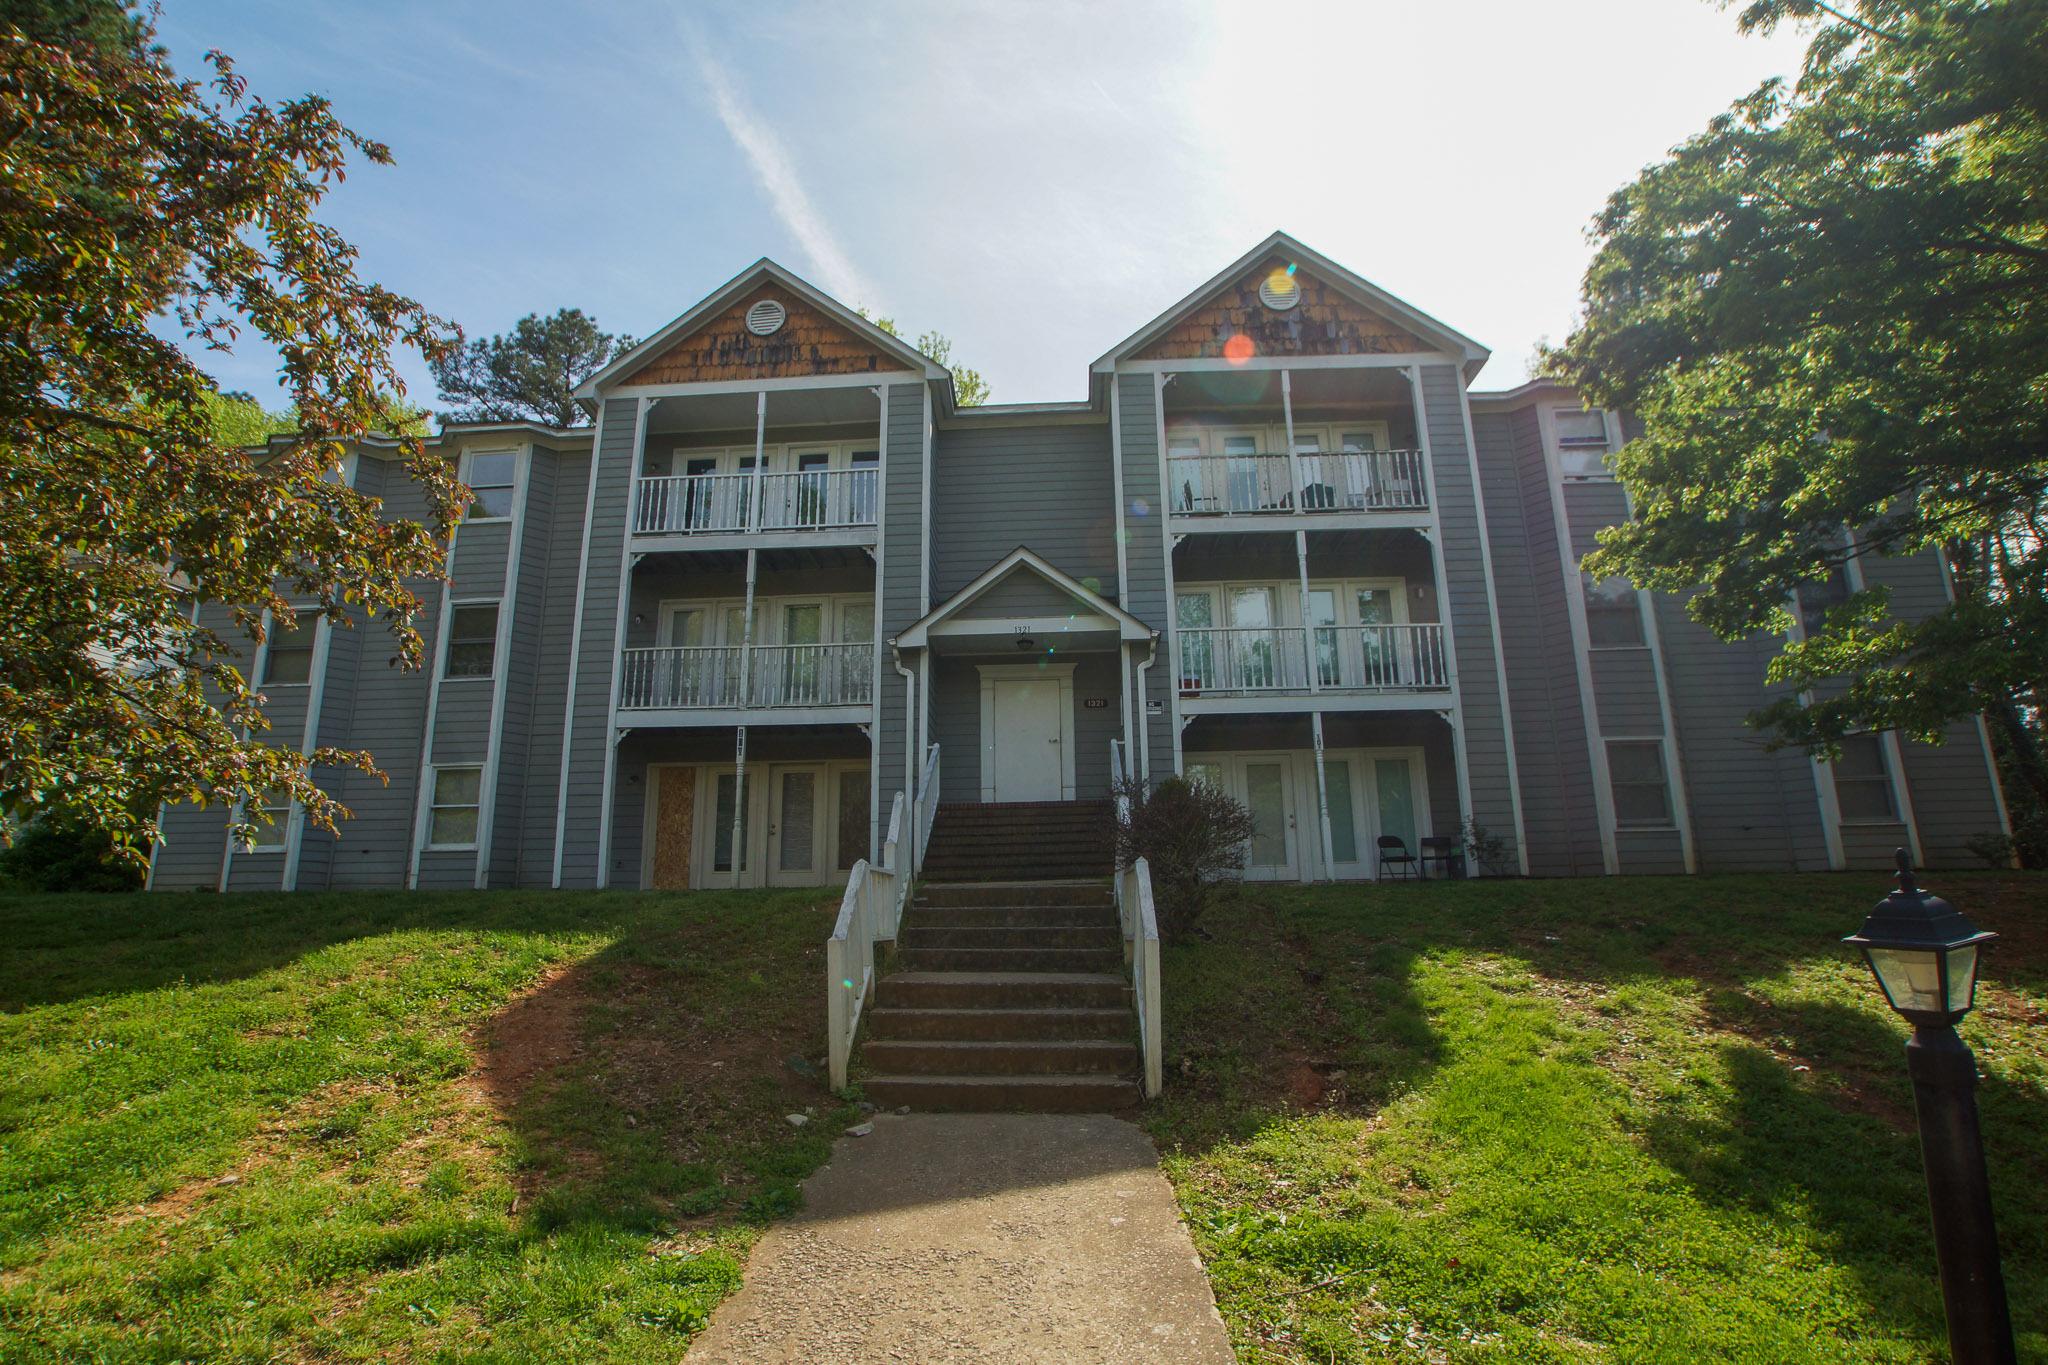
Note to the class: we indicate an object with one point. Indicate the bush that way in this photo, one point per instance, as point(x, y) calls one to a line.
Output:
point(59, 855)
point(1192, 834)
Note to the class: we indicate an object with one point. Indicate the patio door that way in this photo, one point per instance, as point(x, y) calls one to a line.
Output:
point(796, 825)
point(1268, 785)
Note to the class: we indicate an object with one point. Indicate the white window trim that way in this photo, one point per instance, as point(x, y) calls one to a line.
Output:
point(1642, 621)
point(704, 824)
point(497, 639)
point(433, 791)
point(463, 467)
point(768, 617)
point(320, 626)
point(1271, 439)
point(1662, 743)
point(1887, 758)
point(283, 826)
point(1546, 421)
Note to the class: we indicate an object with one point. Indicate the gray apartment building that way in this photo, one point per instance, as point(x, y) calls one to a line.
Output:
point(1281, 545)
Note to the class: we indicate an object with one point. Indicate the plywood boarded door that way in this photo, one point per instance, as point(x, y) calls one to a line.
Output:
point(675, 810)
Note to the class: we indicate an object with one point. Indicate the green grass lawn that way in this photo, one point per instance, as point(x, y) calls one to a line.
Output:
point(492, 1126)
point(1647, 1120)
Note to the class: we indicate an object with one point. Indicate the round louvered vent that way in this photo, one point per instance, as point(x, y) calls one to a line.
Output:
point(1280, 291)
point(766, 318)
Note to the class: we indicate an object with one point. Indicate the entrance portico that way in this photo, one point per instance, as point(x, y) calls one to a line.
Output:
point(1025, 676)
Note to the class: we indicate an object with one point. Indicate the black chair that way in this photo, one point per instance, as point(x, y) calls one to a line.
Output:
point(1394, 855)
point(1445, 853)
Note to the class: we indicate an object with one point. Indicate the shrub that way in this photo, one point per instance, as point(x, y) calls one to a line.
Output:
point(1485, 848)
point(1192, 834)
point(60, 855)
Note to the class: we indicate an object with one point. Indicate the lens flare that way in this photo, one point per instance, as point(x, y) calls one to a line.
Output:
point(1238, 349)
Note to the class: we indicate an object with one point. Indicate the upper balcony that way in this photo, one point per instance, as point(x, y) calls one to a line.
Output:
point(714, 684)
point(1249, 482)
point(796, 468)
point(1260, 451)
point(815, 499)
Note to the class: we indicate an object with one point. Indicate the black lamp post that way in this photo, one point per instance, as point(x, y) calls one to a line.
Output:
point(1924, 955)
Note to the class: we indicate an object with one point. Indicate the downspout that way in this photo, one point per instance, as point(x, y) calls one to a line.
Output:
point(910, 754)
point(1143, 716)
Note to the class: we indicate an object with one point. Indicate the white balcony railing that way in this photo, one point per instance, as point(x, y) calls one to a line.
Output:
point(1239, 661)
point(700, 676)
point(1347, 481)
point(805, 500)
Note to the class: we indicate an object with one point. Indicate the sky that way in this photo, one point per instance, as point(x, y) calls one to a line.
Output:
point(1035, 180)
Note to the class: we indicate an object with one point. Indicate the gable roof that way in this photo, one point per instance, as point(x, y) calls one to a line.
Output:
point(762, 272)
point(1128, 626)
point(1360, 289)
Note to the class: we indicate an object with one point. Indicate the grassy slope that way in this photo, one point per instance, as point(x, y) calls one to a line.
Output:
point(1640, 1121)
point(376, 1126)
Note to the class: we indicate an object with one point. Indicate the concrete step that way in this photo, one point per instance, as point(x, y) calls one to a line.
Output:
point(967, 870)
point(919, 932)
point(1010, 959)
point(1012, 916)
point(1030, 1094)
point(1077, 891)
point(1002, 990)
point(1002, 1057)
point(1014, 1025)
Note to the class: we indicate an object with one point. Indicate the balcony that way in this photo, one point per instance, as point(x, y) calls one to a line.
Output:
point(704, 681)
point(804, 501)
point(1351, 484)
point(1274, 662)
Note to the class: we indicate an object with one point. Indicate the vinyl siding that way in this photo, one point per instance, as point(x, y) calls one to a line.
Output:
point(1625, 692)
point(903, 564)
point(1466, 589)
point(527, 601)
point(1021, 592)
point(1145, 555)
point(552, 615)
point(1044, 487)
point(598, 649)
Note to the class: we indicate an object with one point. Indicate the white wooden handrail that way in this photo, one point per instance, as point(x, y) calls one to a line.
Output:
point(1141, 947)
point(869, 911)
point(1331, 481)
point(1407, 657)
point(786, 500)
point(927, 807)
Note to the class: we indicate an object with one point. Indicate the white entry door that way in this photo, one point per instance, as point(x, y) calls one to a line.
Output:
point(796, 826)
point(1024, 739)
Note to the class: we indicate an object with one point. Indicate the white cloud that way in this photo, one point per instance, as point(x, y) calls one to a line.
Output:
point(764, 150)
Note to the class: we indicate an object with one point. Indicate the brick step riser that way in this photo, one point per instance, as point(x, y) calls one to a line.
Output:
point(934, 891)
point(983, 995)
point(1009, 960)
point(913, 1057)
point(926, 935)
point(1000, 1026)
point(1081, 1095)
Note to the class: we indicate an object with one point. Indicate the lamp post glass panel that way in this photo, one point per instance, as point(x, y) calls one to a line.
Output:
point(1924, 954)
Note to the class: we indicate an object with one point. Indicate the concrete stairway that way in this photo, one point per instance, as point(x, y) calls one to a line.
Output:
point(1019, 841)
point(1005, 995)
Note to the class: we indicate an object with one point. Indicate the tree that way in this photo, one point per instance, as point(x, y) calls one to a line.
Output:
point(969, 388)
point(1192, 834)
point(135, 204)
point(530, 373)
point(1830, 313)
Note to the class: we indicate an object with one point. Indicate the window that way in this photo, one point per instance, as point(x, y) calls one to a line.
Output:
point(288, 654)
point(458, 792)
point(271, 824)
point(1816, 600)
point(1642, 797)
point(1614, 614)
point(1581, 442)
point(1863, 782)
point(472, 641)
point(489, 474)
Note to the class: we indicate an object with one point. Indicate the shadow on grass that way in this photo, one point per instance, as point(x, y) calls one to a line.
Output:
point(1306, 1001)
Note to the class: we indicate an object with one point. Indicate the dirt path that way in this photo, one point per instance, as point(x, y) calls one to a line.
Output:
point(977, 1237)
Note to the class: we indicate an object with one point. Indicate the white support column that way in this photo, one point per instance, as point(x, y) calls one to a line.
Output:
point(739, 802)
point(1125, 681)
point(1293, 455)
point(1323, 800)
point(760, 458)
point(1308, 643)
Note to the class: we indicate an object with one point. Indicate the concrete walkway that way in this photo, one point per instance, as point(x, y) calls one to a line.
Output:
point(977, 1237)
